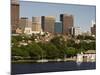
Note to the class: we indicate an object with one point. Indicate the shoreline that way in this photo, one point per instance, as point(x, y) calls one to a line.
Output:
point(47, 61)
point(43, 61)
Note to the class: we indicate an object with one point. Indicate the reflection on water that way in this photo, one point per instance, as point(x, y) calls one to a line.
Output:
point(79, 63)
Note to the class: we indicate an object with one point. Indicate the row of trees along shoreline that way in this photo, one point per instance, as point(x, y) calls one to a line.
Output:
point(56, 48)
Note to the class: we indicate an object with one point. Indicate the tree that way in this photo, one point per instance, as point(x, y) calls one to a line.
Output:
point(70, 51)
point(91, 46)
point(61, 45)
point(18, 38)
point(35, 51)
point(58, 41)
point(50, 49)
point(20, 51)
point(89, 38)
point(70, 43)
point(80, 37)
point(86, 37)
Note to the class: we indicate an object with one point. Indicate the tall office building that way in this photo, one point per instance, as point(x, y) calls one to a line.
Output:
point(93, 29)
point(48, 23)
point(58, 27)
point(36, 24)
point(23, 22)
point(14, 15)
point(29, 23)
point(67, 23)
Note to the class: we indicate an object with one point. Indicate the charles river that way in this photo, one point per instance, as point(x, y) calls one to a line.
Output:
point(25, 68)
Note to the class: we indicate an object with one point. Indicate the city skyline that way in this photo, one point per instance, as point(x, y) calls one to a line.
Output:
point(50, 37)
point(83, 15)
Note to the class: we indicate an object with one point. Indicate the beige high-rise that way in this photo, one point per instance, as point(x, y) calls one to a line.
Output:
point(48, 23)
point(36, 24)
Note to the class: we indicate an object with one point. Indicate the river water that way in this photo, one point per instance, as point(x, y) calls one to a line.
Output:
point(25, 68)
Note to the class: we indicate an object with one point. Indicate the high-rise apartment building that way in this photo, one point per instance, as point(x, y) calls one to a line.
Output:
point(48, 23)
point(67, 23)
point(14, 15)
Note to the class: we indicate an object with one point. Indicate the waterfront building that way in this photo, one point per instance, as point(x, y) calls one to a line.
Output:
point(48, 23)
point(88, 56)
point(14, 15)
point(67, 23)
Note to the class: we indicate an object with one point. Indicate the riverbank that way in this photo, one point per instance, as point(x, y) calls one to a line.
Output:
point(50, 60)
point(44, 60)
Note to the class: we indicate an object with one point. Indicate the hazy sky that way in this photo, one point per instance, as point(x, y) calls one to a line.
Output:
point(83, 14)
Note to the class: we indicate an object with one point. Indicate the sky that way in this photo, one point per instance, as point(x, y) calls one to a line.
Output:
point(83, 14)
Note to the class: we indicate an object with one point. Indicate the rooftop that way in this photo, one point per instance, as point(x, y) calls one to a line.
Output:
point(90, 51)
point(14, 1)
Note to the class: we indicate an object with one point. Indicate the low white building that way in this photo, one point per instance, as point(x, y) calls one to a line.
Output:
point(88, 56)
point(76, 31)
point(28, 30)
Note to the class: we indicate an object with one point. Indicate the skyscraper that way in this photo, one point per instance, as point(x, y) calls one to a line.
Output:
point(29, 23)
point(58, 27)
point(48, 23)
point(23, 22)
point(67, 23)
point(14, 15)
point(36, 24)
point(93, 29)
